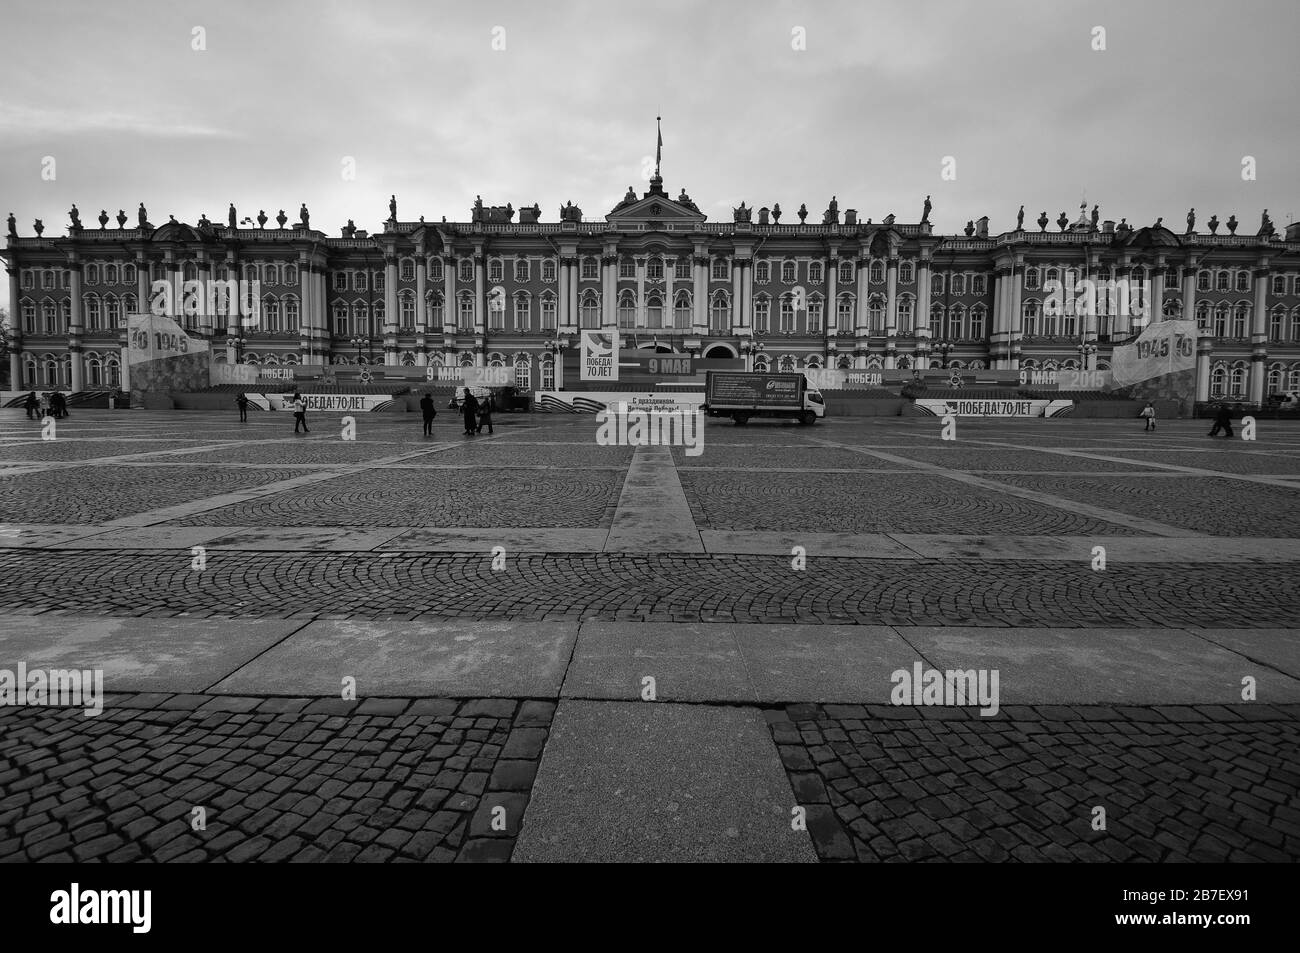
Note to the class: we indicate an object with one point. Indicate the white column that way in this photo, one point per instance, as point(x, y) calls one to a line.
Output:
point(450, 307)
point(747, 294)
point(923, 330)
point(1259, 337)
point(640, 292)
point(15, 327)
point(609, 291)
point(1015, 320)
point(574, 272)
point(891, 309)
point(562, 304)
point(701, 299)
point(421, 308)
point(74, 325)
point(736, 320)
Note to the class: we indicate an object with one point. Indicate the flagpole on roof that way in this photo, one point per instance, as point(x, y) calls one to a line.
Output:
point(659, 146)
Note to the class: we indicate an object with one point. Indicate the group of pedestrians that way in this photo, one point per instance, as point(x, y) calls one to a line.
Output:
point(477, 413)
point(52, 404)
point(1222, 419)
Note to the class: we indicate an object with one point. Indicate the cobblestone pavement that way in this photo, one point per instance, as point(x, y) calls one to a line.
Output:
point(872, 503)
point(1177, 784)
point(295, 778)
point(98, 493)
point(278, 779)
point(1207, 504)
point(653, 587)
point(412, 497)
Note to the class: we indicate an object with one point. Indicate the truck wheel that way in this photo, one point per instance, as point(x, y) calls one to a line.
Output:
point(807, 418)
point(741, 419)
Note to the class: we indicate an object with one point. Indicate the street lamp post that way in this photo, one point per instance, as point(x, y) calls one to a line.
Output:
point(359, 342)
point(1086, 355)
point(943, 347)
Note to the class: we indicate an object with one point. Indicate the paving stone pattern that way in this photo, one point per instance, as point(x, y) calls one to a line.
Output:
point(884, 783)
point(280, 779)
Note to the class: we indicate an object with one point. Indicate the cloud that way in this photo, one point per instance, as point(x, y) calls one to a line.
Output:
point(27, 122)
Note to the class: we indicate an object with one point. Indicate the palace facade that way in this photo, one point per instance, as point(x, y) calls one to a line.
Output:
point(834, 292)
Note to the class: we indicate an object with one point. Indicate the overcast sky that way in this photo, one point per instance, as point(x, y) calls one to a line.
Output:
point(416, 94)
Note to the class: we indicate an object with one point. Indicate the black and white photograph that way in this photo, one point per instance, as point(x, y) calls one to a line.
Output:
point(697, 432)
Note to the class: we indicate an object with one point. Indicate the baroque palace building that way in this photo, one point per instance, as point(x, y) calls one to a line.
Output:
point(834, 293)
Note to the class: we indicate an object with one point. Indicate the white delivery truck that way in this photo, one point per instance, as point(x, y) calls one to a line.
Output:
point(741, 395)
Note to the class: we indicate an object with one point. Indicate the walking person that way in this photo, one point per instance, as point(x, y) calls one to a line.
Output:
point(485, 414)
point(32, 405)
point(300, 412)
point(429, 412)
point(469, 407)
point(1149, 412)
point(1222, 421)
point(242, 403)
point(45, 405)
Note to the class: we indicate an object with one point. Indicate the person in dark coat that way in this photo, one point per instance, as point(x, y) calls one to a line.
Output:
point(1222, 421)
point(242, 402)
point(32, 405)
point(485, 414)
point(469, 407)
point(429, 411)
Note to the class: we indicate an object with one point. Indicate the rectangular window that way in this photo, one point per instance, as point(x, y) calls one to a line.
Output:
point(815, 316)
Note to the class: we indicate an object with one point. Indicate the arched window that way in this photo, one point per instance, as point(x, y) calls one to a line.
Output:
point(977, 315)
point(1203, 280)
point(956, 323)
point(786, 363)
point(360, 319)
point(1239, 319)
point(654, 311)
point(875, 315)
point(548, 269)
point(523, 311)
point(787, 312)
point(682, 310)
point(94, 371)
point(406, 308)
point(28, 309)
point(521, 270)
point(268, 274)
point(906, 272)
point(128, 274)
point(1029, 312)
point(50, 316)
point(547, 368)
point(465, 312)
point(290, 274)
point(844, 312)
point(406, 269)
point(979, 285)
point(1275, 379)
point(341, 319)
point(1203, 315)
point(762, 312)
point(290, 312)
point(90, 305)
point(1237, 380)
point(112, 316)
point(906, 310)
point(548, 311)
point(465, 270)
point(523, 372)
point(815, 273)
point(762, 272)
point(816, 313)
point(1221, 321)
point(627, 310)
point(466, 359)
point(110, 275)
point(435, 268)
point(789, 272)
point(936, 320)
point(721, 269)
point(113, 371)
point(1243, 280)
point(433, 307)
point(760, 364)
point(1293, 378)
point(846, 273)
point(271, 313)
point(1222, 281)
point(1295, 326)
point(654, 270)
point(590, 309)
point(721, 313)
point(92, 274)
point(496, 271)
point(876, 275)
point(958, 284)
